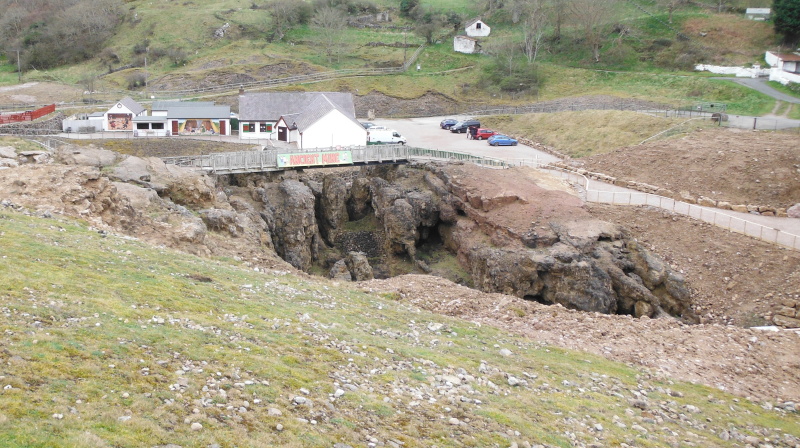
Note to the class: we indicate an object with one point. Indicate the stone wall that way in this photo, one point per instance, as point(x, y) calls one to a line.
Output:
point(788, 314)
point(51, 125)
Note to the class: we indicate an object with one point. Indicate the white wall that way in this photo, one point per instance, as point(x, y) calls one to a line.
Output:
point(777, 74)
point(463, 45)
point(771, 59)
point(474, 31)
point(118, 108)
point(258, 134)
point(334, 129)
point(740, 72)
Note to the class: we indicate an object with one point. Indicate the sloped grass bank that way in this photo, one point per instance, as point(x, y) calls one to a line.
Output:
point(110, 342)
point(585, 133)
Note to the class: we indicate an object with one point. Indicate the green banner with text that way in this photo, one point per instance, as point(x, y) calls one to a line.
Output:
point(315, 158)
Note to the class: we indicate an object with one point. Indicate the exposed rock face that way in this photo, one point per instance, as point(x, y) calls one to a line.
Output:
point(333, 207)
point(360, 199)
point(290, 210)
point(525, 240)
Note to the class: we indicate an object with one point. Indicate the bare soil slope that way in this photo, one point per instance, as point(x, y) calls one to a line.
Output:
point(733, 165)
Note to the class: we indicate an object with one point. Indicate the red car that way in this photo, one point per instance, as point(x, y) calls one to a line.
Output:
point(483, 134)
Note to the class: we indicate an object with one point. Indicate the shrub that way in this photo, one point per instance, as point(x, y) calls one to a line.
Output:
point(136, 80)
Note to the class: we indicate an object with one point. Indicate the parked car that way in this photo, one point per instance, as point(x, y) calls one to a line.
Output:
point(367, 124)
point(483, 134)
point(501, 140)
point(461, 126)
point(447, 122)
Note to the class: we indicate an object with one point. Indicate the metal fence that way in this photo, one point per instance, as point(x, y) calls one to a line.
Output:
point(716, 217)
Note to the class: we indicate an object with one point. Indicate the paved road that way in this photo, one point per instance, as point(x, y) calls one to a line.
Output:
point(760, 84)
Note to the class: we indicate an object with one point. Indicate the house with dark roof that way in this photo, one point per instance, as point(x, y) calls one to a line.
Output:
point(120, 116)
point(309, 119)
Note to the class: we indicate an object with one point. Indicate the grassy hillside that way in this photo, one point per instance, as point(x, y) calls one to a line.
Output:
point(109, 342)
point(178, 41)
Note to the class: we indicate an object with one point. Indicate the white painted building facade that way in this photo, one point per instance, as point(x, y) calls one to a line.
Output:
point(477, 28)
point(466, 44)
point(120, 116)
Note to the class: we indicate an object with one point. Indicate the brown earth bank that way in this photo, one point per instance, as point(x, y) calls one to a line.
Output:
point(731, 165)
point(760, 365)
point(735, 279)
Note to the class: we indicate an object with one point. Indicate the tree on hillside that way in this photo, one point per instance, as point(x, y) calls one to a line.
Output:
point(786, 16)
point(671, 6)
point(557, 9)
point(509, 71)
point(533, 27)
point(592, 16)
point(284, 14)
point(331, 23)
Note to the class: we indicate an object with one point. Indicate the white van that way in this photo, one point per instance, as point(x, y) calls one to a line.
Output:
point(384, 137)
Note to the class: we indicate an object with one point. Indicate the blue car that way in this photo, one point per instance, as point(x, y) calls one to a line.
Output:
point(501, 140)
point(447, 123)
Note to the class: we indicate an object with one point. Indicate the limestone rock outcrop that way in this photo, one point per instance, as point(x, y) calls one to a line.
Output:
point(290, 213)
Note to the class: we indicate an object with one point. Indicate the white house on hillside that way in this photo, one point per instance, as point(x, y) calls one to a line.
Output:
point(120, 116)
point(477, 28)
point(785, 67)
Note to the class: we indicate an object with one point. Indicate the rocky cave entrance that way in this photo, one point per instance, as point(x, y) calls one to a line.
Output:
point(389, 220)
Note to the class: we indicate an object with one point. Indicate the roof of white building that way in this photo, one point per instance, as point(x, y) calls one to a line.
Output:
point(270, 106)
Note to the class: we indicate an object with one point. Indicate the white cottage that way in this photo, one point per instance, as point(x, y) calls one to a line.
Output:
point(120, 116)
point(259, 114)
point(477, 28)
point(321, 124)
point(466, 44)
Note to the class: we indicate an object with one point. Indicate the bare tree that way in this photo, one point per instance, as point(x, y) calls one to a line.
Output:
point(506, 53)
point(284, 14)
point(671, 6)
point(331, 23)
point(592, 16)
point(533, 27)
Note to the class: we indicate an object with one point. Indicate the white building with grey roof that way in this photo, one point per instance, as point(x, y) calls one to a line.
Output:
point(322, 123)
point(307, 114)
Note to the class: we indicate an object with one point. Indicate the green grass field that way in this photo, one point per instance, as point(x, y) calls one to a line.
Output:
point(110, 342)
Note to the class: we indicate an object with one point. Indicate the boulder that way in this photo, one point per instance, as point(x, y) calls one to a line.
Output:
point(8, 152)
point(140, 198)
point(183, 186)
point(339, 271)
point(793, 211)
point(86, 155)
point(359, 267)
point(222, 221)
point(132, 169)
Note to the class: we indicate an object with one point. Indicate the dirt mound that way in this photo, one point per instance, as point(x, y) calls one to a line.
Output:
point(737, 166)
point(737, 360)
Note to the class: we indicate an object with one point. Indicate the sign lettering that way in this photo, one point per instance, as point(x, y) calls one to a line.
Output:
point(315, 158)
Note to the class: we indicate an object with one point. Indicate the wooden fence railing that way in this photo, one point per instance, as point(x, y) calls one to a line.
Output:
point(27, 115)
